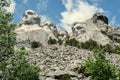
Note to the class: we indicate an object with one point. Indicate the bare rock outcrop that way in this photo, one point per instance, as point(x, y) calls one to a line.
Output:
point(29, 29)
point(95, 28)
point(99, 19)
point(114, 34)
point(83, 31)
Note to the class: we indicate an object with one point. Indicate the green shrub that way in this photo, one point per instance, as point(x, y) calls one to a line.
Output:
point(60, 42)
point(63, 77)
point(99, 68)
point(73, 42)
point(118, 40)
point(22, 70)
point(118, 74)
point(108, 48)
point(22, 48)
point(91, 44)
point(117, 50)
point(7, 38)
point(66, 77)
point(35, 44)
point(52, 41)
point(13, 66)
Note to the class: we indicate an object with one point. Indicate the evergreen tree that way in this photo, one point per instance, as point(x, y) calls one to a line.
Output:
point(7, 36)
point(99, 68)
point(13, 65)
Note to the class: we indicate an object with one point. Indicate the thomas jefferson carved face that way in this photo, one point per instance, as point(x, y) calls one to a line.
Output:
point(48, 25)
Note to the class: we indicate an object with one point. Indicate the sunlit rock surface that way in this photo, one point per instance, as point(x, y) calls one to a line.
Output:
point(30, 29)
point(83, 31)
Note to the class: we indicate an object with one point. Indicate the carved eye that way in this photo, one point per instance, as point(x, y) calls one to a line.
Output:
point(29, 13)
point(80, 30)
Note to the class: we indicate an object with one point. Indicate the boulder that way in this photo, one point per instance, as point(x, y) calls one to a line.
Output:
point(101, 22)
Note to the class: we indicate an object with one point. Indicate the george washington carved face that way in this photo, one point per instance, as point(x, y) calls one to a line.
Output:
point(30, 17)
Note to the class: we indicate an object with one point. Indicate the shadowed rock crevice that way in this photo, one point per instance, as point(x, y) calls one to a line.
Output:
point(99, 17)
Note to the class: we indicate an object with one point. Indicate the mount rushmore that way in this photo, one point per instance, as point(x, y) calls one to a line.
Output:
point(30, 29)
point(56, 61)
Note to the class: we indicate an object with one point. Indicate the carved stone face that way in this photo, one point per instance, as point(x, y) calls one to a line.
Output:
point(30, 17)
point(63, 35)
point(78, 29)
point(48, 25)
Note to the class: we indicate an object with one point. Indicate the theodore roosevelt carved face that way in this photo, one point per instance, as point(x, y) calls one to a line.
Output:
point(63, 35)
point(78, 29)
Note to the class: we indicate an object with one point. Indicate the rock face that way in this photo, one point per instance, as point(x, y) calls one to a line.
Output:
point(88, 30)
point(100, 19)
point(56, 61)
point(33, 33)
point(29, 29)
point(50, 27)
point(63, 35)
point(114, 33)
point(96, 28)
point(30, 17)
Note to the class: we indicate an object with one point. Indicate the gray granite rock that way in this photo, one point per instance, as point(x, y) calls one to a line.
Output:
point(64, 60)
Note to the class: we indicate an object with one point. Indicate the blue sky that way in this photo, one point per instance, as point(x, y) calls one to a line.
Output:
point(65, 12)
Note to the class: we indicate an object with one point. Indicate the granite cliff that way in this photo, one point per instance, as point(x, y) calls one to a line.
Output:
point(31, 29)
point(56, 61)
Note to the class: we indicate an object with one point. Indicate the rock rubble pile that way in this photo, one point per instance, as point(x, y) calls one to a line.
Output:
point(56, 61)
